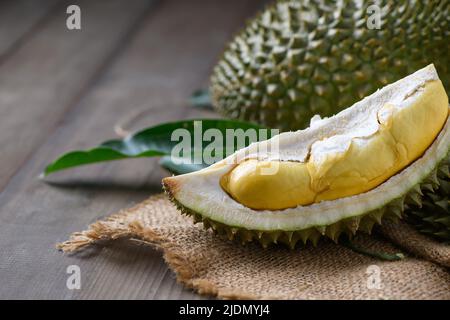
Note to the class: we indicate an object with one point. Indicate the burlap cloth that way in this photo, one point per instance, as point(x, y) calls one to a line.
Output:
point(215, 266)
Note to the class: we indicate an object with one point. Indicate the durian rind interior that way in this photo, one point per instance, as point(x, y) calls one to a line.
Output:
point(200, 193)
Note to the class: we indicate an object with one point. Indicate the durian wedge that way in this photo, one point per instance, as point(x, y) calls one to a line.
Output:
point(340, 175)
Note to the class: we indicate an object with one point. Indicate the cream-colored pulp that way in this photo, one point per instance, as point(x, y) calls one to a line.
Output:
point(345, 164)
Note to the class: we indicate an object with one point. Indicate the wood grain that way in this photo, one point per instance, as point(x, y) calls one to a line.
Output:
point(49, 73)
point(170, 54)
point(31, 14)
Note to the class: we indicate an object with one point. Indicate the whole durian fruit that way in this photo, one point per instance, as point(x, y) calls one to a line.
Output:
point(431, 215)
point(341, 175)
point(306, 57)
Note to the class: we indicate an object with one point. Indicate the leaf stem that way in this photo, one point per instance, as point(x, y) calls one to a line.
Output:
point(374, 254)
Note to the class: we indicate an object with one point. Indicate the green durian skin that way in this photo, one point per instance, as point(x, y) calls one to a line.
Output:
point(435, 185)
point(432, 215)
point(284, 67)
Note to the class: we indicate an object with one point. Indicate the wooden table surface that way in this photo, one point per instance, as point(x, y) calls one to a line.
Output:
point(65, 89)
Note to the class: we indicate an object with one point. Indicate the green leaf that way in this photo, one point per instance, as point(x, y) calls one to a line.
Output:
point(201, 99)
point(176, 168)
point(150, 142)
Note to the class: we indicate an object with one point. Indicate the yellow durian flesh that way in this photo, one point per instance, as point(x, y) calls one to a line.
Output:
point(337, 166)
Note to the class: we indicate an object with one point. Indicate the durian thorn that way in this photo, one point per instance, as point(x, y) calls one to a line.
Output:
point(414, 199)
point(352, 224)
point(431, 219)
point(396, 212)
point(442, 204)
point(444, 220)
point(295, 238)
point(377, 215)
point(314, 237)
point(398, 203)
point(289, 235)
point(366, 224)
point(444, 171)
point(265, 241)
point(432, 178)
point(333, 231)
point(246, 235)
point(197, 218)
point(427, 187)
point(229, 233)
point(321, 229)
point(305, 234)
point(274, 236)
point(214, 225)
point(206, 223)
point(417, 189)
point(442, 234)
point(292, 244)
point(221, 230)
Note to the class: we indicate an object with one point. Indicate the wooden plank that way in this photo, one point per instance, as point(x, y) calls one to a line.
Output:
point(171, 55)
point(19, 19)
point(47, 74)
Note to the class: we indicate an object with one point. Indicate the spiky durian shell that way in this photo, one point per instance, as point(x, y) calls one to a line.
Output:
point(284, 68)
point(393, 211)
point(432, 215)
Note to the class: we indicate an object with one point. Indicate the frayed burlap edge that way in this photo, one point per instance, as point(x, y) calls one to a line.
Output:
point(115, 227)
point(106, 230)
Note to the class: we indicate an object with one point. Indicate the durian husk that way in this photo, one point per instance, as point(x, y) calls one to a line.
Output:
point(431, 213)
point(393, 211)
point(283, 67)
